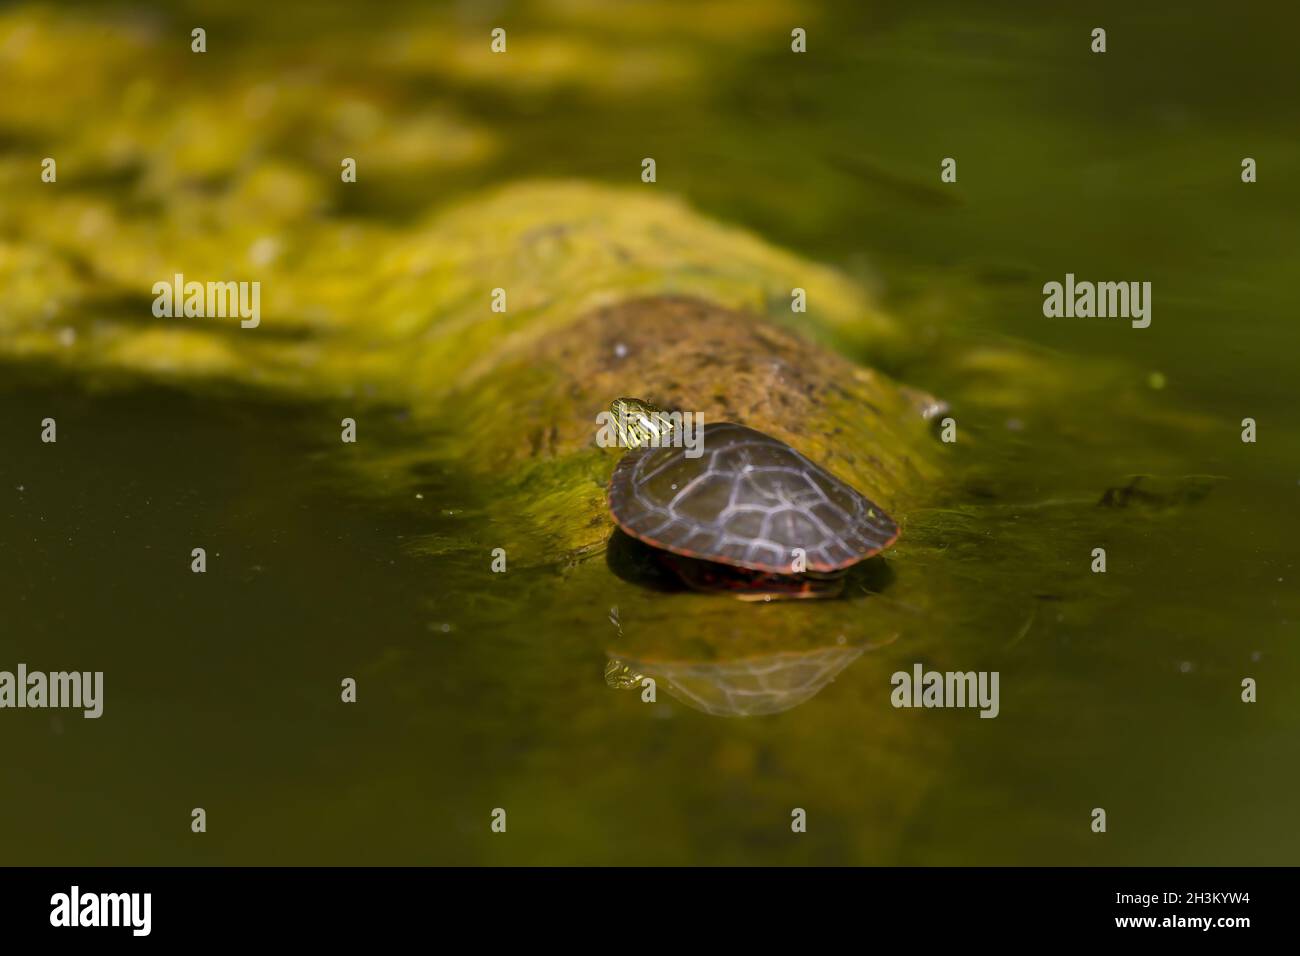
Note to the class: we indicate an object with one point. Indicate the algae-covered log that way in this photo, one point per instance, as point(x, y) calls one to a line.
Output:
point(688, 354)
point(606, 292)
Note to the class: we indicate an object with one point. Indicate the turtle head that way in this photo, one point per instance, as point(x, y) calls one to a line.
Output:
point(621, 675)
point(639, 423)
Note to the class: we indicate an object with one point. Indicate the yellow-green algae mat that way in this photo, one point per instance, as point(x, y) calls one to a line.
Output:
point(607, 292)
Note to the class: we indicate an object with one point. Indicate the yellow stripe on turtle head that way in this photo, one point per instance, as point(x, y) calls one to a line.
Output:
point(639, 423)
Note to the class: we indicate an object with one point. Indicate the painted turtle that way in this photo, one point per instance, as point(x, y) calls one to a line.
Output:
point(749, 515)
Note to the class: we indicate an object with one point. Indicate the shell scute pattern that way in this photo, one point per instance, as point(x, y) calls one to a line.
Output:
point(749, 500)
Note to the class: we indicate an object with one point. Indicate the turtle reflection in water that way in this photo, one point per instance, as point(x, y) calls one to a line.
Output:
point(744, 687)
point(750, 516)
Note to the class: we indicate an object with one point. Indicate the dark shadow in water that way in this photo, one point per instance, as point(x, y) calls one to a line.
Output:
point(639, 563)
point(871, 576)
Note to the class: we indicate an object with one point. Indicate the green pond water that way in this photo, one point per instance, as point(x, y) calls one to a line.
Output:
point(479, 691)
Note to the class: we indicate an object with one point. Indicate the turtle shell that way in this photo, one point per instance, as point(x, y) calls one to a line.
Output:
point(748, 501)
